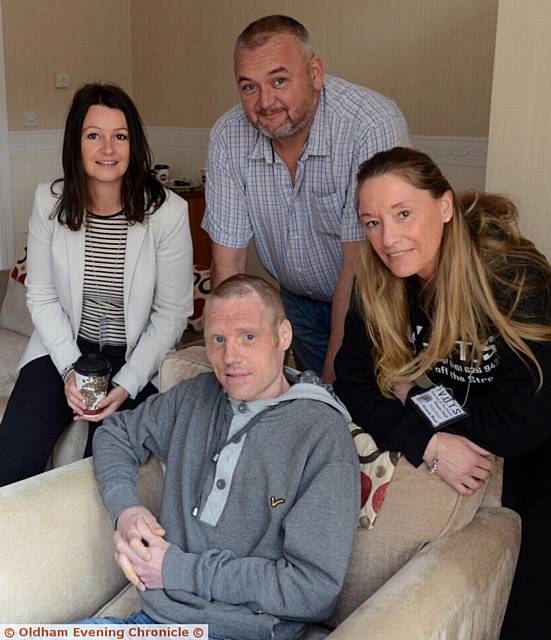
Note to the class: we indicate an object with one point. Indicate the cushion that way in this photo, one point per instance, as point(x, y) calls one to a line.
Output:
point(181, 365)
point(12, 346)
point(376, 470)
point(14, 314)
point(201, 289)
point(418, 508)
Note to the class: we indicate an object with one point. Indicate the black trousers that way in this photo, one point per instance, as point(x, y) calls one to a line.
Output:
point(37, 413)
point(527, 490)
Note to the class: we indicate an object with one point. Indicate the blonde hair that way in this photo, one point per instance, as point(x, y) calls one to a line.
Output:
point(486, 274)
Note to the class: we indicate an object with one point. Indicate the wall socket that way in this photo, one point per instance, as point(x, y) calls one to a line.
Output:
point(62, 79)
point(30, 119)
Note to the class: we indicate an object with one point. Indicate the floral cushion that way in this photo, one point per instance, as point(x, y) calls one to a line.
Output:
point(376, 470)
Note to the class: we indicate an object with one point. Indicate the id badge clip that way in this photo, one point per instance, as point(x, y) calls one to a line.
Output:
point(438, 407)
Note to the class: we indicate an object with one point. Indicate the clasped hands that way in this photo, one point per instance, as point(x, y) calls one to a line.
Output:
point(140, 548)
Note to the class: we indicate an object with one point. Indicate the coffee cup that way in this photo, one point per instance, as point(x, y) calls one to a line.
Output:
point(92, 378)
point(161, 172)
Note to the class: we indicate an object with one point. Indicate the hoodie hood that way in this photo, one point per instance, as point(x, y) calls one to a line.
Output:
point(308, 385)
point(305, 385)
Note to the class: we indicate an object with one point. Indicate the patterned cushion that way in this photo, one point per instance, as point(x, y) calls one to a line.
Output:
point(201, 289)
point(376, 470)
point(14, 314)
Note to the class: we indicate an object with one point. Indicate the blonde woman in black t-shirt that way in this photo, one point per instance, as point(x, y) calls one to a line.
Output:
point(450, 296)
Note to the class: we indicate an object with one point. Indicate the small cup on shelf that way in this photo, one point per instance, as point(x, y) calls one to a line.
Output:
point(161, 172)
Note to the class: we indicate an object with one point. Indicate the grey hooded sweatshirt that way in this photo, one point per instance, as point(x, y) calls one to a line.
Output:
point(260, 503)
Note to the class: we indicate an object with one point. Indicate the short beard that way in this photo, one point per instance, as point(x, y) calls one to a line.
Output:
point(287, 130)
point(291, 127)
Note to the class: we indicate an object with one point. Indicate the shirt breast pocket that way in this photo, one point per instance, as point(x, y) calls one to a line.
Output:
point(327, 214)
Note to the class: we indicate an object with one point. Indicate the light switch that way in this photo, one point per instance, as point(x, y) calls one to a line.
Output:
point(62, 79)
point(30, 119)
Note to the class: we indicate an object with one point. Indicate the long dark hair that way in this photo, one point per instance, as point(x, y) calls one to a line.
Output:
point(140, 192)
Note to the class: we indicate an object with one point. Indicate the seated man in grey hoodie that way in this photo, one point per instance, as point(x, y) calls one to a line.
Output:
point(261, 493)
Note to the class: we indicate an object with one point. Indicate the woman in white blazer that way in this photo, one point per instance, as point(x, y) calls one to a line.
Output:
point(109, 270)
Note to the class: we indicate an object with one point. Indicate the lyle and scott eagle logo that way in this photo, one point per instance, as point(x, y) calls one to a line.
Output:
point(275, 502)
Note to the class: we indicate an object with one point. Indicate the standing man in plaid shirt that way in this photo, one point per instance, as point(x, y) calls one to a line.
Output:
point(282, 170)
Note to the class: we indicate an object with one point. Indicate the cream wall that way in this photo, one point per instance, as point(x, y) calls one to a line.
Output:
point(174, 56)
point(434, 57)
point(89, 39)
point(519, 152)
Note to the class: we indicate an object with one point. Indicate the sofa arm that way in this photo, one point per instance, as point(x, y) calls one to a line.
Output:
point(57, 550)
point(455, 587)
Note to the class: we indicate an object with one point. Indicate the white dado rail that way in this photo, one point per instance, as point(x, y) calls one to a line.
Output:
point(35, 156)
point(445, 150)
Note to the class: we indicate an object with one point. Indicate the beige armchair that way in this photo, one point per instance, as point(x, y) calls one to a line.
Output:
point(58, 557)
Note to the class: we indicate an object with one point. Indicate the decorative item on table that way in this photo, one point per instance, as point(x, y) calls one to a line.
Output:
point(92, 377)
point(161, 172)
point(182, 184)
point(204, 176)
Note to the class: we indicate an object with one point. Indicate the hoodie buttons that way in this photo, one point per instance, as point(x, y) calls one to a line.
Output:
point(242, 407)
point(221, 484)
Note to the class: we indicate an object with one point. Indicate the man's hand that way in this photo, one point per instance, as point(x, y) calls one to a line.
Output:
point(136, 528)
point(132, 523)
point(142, 573)
point(112, 401)
point(462, 464)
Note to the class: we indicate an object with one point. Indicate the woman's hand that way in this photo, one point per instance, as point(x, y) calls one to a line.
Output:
point(462, 464)
point(111, 403)
point(75, 399)
point(401, 390)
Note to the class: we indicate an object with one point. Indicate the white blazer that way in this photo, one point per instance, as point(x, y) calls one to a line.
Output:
point(158, 288)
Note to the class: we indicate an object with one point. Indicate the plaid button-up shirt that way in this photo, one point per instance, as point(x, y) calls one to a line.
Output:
point(298, 228)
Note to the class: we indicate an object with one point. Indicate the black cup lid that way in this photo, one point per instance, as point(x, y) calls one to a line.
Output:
point(92, 364)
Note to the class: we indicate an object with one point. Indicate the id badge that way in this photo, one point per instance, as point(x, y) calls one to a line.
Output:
point(438, 407)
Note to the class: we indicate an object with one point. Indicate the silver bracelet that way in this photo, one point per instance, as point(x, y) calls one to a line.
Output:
point(436, 460)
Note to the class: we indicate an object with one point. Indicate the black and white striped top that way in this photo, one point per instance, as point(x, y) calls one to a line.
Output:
point(103, 294)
